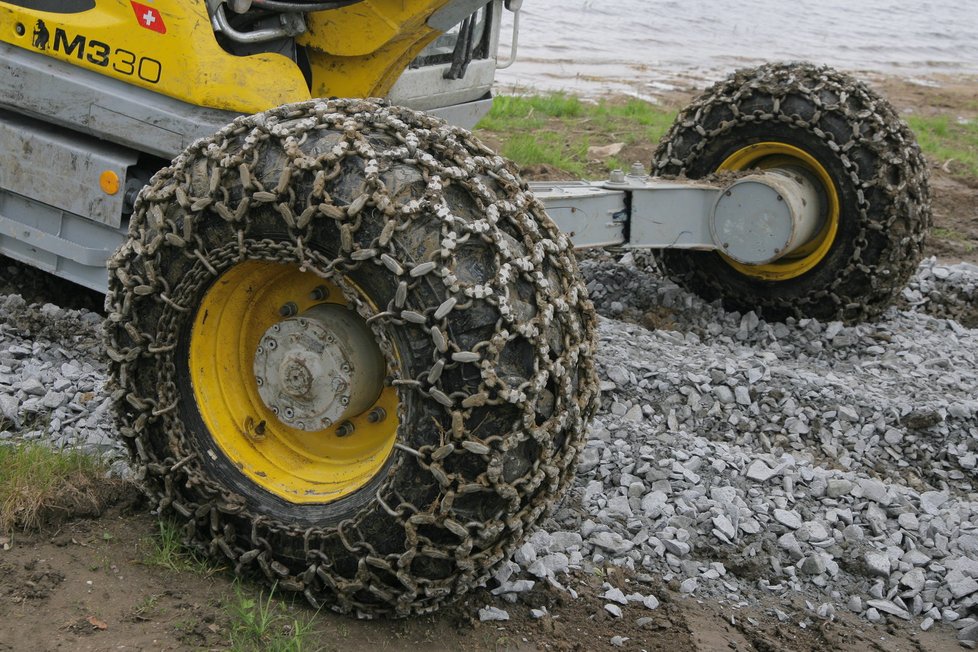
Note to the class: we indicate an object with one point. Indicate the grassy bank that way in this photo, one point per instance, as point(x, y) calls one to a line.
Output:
point(555, 130)
point(37, 482)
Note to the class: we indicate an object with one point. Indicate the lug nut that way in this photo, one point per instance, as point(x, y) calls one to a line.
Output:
point(345, 429)
point(319, 293)
point(638, 170)
point(289, 414)
point(288, 309)
point(377, 415)
point(617, 176)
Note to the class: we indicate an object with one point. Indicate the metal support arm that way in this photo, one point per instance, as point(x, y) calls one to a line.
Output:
point(755, 220)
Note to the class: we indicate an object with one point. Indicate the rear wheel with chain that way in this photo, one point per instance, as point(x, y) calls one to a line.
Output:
point(851, 144)
point(352, 353)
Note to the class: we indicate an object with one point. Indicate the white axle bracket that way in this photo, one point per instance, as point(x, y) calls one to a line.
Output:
point(755, 219)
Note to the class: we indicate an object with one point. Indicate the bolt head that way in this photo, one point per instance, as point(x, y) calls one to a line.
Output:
point(319, 293)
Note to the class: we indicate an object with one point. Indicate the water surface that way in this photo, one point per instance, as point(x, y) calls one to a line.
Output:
point(644, 47)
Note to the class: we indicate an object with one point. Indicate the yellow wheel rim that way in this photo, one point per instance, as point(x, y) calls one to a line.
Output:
point(769, 155)
point(297, 465)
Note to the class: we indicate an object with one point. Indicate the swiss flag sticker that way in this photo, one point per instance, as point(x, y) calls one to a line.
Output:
point(149, 17)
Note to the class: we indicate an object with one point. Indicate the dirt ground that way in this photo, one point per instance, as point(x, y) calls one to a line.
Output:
point(84, 584)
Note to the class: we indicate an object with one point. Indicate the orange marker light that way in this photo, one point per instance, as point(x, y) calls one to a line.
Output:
point(109, 181)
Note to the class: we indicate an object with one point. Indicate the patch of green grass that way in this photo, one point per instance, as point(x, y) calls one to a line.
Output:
point(953, 235)
point(264, 624)
point(556, 129)
point(547, 149)
point(35, 478)
point(948, 234)
point(524, 111)
point(945, 139)
point(146, 608)
point(166, 550)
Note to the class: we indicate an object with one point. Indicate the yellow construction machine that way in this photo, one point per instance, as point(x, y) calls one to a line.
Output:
point(350, 350)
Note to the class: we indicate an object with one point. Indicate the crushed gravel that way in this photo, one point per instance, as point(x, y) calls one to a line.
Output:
point(731, 458)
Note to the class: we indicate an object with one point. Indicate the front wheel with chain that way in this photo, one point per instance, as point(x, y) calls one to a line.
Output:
point(852, 145)
point(352, 353)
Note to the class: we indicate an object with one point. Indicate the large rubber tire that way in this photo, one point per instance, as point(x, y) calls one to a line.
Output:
point(852, 136)
point(471, 292)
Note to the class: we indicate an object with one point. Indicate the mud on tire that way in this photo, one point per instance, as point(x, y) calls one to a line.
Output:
point(471, 292)
point(874, 162)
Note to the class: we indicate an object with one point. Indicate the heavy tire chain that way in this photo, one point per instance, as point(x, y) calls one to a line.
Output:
point(217, 520)
point(864, 288)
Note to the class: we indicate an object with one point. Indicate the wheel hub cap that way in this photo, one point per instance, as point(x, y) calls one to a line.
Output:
point(318, 368)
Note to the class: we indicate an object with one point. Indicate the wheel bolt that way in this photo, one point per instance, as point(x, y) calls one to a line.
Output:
point(288, 309)
point(377, 415)
point(319, 293)
point(345, 429)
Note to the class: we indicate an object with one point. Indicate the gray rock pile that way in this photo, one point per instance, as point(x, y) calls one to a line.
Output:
point(52, 378)
point(731, 458)
point(734, 457)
